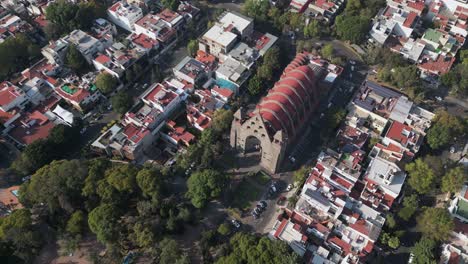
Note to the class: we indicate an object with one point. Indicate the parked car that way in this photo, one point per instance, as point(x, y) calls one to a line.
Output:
point(452, 149)
point(411, 257)
point(255, 215)
point(290, 187)
point(263, 203)
point(281, 200)
point(236, 223)
point(257, 210)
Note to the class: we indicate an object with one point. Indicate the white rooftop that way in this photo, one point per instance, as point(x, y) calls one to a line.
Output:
point(220, 36)
point(387, 175)
point(238, 21)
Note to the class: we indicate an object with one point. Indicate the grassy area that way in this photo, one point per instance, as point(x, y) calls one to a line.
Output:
point(245, 194)
point(261, 178)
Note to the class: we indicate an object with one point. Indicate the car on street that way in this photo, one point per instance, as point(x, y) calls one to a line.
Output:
point(257, 211)
point(292, 159)
point(290, 187)
point(411, 257)
point(235, 223)
point(263, 203)
point(452, 149)
point(255, 215)
point(83, 130)
point(281, 200)
point(438, 98)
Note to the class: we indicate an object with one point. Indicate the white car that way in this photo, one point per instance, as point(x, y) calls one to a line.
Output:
point(235, 223)
point(290, 187)
point(411, 257)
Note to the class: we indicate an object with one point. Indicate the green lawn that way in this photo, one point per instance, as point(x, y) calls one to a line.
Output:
point(245, 194)
point(261, 178)
point(462, 208)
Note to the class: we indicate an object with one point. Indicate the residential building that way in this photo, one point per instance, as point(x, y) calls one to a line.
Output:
point(218, 41)
point(124, 15)
point(86, 44)
point(117, 59)
point(11, 25)
point(9, 200)
point(102, 28)
point(327, 8)
point(81, 93)
point(158, 29)
point(459, 205)
point(191, 70)
point(11, 97)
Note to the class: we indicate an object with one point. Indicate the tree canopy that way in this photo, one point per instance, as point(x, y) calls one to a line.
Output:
point(192, 47)
point(222, 120)
point(410, 206)
point(171, 4)
point(436, 223)
point(67, 16)
point(75, 60)
point(58, 185)
point(121, 102)
point(171, 253)
point(16, 54)
point(454, 179)
point(445, 128)
point(421, 176)
point(102, 221)
point(423, 251)
point(105, 82)
point(246, 248)
point(205, 185)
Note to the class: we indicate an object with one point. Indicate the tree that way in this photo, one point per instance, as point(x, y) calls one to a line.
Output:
point(246, 248)
point(34, 156)
point(102, 221)
point(410, 205)
point(16, 54)
point(394, 242)
point(436, 164)
point(423, 251)
point(105, 82)
point(352, 28)
point(258, 9)
point(312, 30)
point(301, 175)
point(204, 186)
point(171, 253)
point(445, 128)
point(255, 85)
point(18, 237)
point(272, 58)
point(75, 60)
point(122, 177)
point(390, 221)
point(327, 51)
point(334, 117)
point(66, 16)
point(224, 229)
point(149, 181)
point(436, 223)
point(76, 223)
point(454, 179)
point(192, 47)
point(421, 176)
point(171, 4)
point(265, 72)
point(156, 75)
point(57, 185)
point(121, 102)
point(222, 120)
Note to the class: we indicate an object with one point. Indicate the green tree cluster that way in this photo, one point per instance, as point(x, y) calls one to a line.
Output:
point(60, 141)
point(436, 223)
point(421, 176)
point(454, 179)
point(204, 186)
point(354, 23)
point(269, 68)
point(105, 82)
point(248, 249)
point(423, 251)
point(75, 60)
point(445, 128)
point(121, 102)
point(171, 4)
point(64, 16)
point(192, 47)
point(16, 54)
point(410, 206)
point(456, 79)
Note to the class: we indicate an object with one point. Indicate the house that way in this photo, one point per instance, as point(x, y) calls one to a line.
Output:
point(383, 183)
point(327, 8)
point(11, 96)
point(459, 205)
point(55, 51)
point(11, 25)
point(188, 11)
point(88, 45)
point(191, 70)
point(124, 15)
point(81, 93)
point(163, 97)
point(155, 28)
point(218, 41)
point(144, 43)
point(116, 59)
point(9, 200)
point(178, 136)
point(102, 28)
